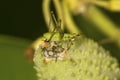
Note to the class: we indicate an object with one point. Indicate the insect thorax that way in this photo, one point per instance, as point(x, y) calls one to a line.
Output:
point(56, 48)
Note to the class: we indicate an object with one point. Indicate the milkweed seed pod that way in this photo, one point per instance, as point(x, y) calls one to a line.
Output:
point(78, 58)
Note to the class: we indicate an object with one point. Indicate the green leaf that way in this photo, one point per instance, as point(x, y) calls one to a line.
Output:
point(13, 64)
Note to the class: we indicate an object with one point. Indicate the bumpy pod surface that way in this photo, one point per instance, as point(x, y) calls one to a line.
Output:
point(85, 60)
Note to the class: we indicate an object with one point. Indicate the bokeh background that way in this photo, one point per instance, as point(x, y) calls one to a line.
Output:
point(22, 21)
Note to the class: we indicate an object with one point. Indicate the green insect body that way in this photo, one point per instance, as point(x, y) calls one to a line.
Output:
point(56, 48)
point(74, 57)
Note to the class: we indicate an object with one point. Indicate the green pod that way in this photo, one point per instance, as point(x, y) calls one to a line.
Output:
point(85, 60)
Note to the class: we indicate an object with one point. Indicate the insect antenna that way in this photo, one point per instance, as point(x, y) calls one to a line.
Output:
point(50, 21)
point(52, 31)
point(61, 33)
point(57, 27)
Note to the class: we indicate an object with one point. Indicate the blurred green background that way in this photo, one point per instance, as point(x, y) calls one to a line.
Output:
point(23, 20)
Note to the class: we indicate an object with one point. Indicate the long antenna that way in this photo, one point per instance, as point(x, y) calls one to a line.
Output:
point(50, 21)
point(57, 27)
point(54, 19)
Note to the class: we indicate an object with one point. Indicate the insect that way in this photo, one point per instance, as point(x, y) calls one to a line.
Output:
point(56, 49)
point(51, 44)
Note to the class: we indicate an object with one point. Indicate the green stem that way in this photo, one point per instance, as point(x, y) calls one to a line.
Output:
point(70, 25)
point(104, 24)
point(46, 13)
point(101, 3)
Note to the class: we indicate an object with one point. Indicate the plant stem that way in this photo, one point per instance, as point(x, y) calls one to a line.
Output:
point(70, 25)
point(46, 13)
point(104, 24)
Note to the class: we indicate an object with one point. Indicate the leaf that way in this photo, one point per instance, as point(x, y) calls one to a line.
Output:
point(13, 64)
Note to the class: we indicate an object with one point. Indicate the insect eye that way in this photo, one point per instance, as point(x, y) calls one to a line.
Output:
point(45, 44)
